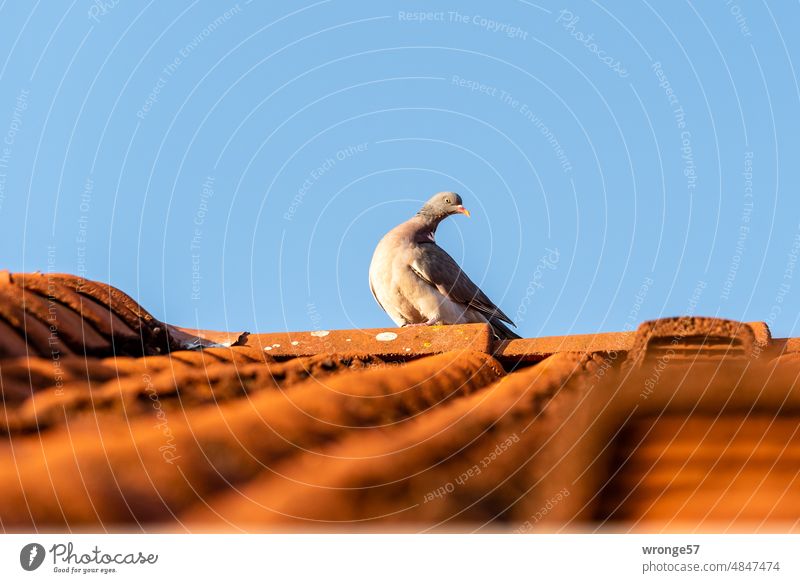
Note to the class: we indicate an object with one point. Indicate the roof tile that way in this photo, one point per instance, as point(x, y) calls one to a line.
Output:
point(391, 343)
point(470, 460)
point(117, 419)
point(147, 471)
point(705, 472)
point(171, 383)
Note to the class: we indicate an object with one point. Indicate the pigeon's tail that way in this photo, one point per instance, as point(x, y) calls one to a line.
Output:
point(502, 331)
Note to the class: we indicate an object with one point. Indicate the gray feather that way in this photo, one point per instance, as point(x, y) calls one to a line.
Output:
point(434, 265)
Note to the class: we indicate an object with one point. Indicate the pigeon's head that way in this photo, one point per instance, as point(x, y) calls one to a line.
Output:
point(442, 205)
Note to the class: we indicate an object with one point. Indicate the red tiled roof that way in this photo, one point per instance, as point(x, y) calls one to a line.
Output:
point(114, 420)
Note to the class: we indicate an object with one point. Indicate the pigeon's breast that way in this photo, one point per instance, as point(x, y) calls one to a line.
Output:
point(393, 282)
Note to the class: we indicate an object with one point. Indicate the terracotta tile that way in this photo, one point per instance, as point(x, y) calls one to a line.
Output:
point(69, 315)
point(529, 350)
point(137, 422)
point(172, 383)
point(20, 377)
point(738, 469)
point(145, 469)
point(478, 459)
point(388, 343)
point(695, 337)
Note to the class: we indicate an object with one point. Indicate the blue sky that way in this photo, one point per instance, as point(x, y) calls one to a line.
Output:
point(232, 165)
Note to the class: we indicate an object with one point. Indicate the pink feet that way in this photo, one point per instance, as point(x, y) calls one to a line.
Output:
point(428, 323)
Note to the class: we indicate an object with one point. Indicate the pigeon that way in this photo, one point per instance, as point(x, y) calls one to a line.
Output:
point(418, 284)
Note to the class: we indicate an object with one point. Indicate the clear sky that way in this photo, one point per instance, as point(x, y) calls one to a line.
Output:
point(232, 165)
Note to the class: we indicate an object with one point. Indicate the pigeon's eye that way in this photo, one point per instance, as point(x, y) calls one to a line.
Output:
point(447, 200)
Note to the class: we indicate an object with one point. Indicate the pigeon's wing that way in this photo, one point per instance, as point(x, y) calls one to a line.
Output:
point(435, 266)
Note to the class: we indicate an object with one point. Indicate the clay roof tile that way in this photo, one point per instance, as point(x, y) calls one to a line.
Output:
point(111, 417)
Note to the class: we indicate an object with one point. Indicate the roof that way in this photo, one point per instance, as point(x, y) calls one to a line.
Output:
point(113, 420)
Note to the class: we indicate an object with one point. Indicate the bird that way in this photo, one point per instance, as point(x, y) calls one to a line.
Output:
point(417, 283)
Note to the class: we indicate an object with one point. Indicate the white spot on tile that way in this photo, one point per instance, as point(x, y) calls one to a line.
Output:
point(348, 340)
point(320, 333)
point(385, 336)
point(268, 348)
point(408, 350)
point(276, 345)
point(295, 343)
